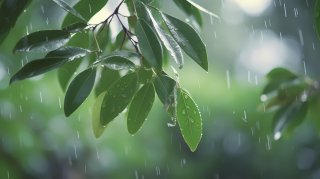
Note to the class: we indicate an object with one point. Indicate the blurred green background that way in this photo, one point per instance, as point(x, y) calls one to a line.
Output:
point(252, 37)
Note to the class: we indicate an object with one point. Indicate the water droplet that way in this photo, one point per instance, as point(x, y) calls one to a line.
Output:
point(183, 111)
point(124, 95)
point(183, 44)
point(186, 96)
point(192, 120)
point(188, 107)
point(194, 112)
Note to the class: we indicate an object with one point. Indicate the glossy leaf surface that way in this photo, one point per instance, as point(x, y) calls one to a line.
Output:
point(75, 27)
point(144, 75)
point(106, 79)
point(98, 128)
point(168, 41)
point(132, 56)
point(118, 97)
point(68, 52)
point(118, 63)
point(66, 72)
point(69, 9)
point(188, 39)
point(189, 119)
point(192, 12)
point(42, 41)
point(149, 44)
point(164, 86)
point(10, 10)
point(140, 107)
point(79, 90)
point(37, 67)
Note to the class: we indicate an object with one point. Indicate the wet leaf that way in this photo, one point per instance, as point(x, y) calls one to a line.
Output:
point(75, 27)
point(188, 39)
point(68, 52)
point(192, 12)
point(10, 10)
point(202, 9)
point(37, 67)
point(108, 77)
point(288, 117)
point(42, 41)
point(118, 63)
point(168, 41)
point(317, 17)
point(69, 9)
point(146, 1)
point(79, 90)
point(140, 107)
point(98, 128)
point(87, 8)
point(149, 44)
point(189, 119)
point(118, 97)
point(164, 86)
point(129, 56)
point(144, 75)
point(66, 72)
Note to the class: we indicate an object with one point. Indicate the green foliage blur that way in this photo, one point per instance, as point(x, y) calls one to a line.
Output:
point(38, 141)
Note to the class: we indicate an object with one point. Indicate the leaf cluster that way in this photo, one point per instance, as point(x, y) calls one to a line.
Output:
point(152, 33)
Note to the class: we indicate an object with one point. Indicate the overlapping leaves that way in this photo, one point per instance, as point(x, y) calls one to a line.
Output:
point(69, 47)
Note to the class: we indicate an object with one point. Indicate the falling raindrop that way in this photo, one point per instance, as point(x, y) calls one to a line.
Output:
point(42, 8)
point(285, 11)
point(75, 150)
point(27, 30)
point(40, 97)
point(59, 102)
point(228, 79)
point(304, 66)
point(301, 37)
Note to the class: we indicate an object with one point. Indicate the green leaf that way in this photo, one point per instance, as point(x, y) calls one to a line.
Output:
point(167, 40)
point(157, 3)
point(192, 12)
point(280, 74)
point(130, 7)
point(189, 120)
point(79, 90)
point(317, 17)
point(164, 86)
point(69, 9)
point(98, 128)
point(4, 36)
point(10, 10)
point(188, 39)
point(118, 97)
point(42, 41)
point(107, 78)
point(37, 67)
point(118, 63)
point(144, 75)
point(87, 8)
point(65, 72)
point(149, 44)
point(202, 9)
point(132, 20)
point(146, 1)
point(276, 77)
point(68, 52)
point(118, 42)
point(288, 117)
point(132, 56)
point(75, 27)
point(140, 107)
